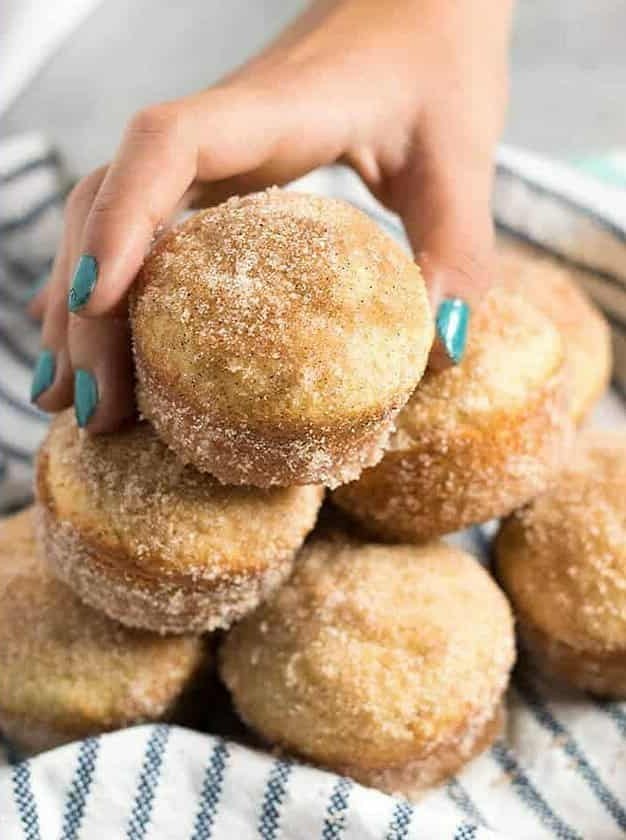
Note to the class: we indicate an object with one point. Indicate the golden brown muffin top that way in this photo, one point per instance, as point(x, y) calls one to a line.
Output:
point(555, 289)
point(127, 494)
point(65, 665)
point(282, 309)
point(513, 351)
point(372, 655)
point(562, 558)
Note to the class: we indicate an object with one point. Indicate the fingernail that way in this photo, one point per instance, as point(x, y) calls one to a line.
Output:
point(36, 287)
point(83, 282)
point(451, 323)
point(85, 396)
point(43, 375)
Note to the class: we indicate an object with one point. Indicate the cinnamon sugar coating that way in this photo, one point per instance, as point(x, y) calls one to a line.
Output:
point(477, 440)
point(276, 336)
point(67, 671)
point(387, 663)
point(562, 561)
point(557, 290)
point(157, 544)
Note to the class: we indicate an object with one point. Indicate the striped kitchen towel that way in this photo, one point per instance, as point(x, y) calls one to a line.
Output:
point(559, 769)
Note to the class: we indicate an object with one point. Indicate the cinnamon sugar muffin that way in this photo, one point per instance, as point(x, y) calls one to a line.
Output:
point(386, 663)
point(556, 290)
point(276, 337)
point(67, 671)
point(154, 543)
point(476, 440)
point(562, 561)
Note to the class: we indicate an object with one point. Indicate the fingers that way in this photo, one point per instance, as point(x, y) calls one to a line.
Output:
point(164, 150)
point(240, 137)
point(52, 384)
point(152, 169)
point(446, 210)
point(36, 306)
point(103, 373)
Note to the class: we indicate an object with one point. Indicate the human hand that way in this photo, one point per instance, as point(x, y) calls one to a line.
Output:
point(410, 93)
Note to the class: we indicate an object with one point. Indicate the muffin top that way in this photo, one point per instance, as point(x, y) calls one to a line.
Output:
point(562, 558)
point(513, 352)
point(282, 311)
point(555, 289)
point(65, 665)
point(129, 497)
point(372, 654)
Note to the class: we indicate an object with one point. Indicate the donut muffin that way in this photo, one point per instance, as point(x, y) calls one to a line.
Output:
point(556, 290)
point(562, 561)
point(67, 671)
point(276, 337)
point(477, 440)
point(385, 663)
point(154, 543)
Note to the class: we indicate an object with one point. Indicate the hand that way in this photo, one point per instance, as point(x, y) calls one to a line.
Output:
point(411, 93)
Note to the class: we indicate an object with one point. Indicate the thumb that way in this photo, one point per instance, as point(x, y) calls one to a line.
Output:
point(446, 210)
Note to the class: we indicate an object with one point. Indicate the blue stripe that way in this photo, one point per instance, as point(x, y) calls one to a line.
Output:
point(15, 452)
point(148, 782)
point(211, 793)
point(571, 748)
point(50, 159)
point(529, 795)
point(615, 711)
point(14, 302)
point(33, 214)
point(335, 820)
point(273, 799)
point(25, 801)
point(461, 798)
point(79, 788)
point(466, 831)
point(22, 356)
point(400, 821)
point(23, 407)
point(20, 270)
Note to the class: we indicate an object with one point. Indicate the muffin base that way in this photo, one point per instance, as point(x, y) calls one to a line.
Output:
point(166, 605)
point(413, 779)
point(237, 455)
point(600, 673)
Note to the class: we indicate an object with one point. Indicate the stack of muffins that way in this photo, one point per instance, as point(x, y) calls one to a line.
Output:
point(280, 345)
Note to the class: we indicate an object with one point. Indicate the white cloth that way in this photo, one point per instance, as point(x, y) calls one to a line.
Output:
point(558, 771)
point(30, 31)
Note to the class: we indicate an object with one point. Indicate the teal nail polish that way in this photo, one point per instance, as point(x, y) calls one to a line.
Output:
point(451, 322)
point(36, 287)
point(43, 375)
point(85, 396)
point(83, 282)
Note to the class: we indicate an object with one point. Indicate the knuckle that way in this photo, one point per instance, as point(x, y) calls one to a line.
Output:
point(103, 205)
point(156, 121)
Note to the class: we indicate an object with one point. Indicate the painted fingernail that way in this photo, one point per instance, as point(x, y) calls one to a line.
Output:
point(43, 375)
point(85, 396)
point(451, 322)
point(83, 282)
point(36, 287)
